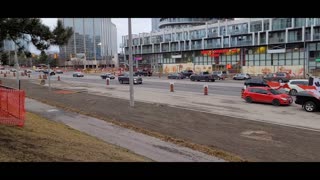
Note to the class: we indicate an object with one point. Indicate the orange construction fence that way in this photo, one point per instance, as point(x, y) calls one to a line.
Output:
point(12, 106)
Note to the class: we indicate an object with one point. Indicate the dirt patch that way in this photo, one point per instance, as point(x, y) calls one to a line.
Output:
point(43, 140)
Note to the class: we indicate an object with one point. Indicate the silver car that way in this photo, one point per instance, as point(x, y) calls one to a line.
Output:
point(241, 76)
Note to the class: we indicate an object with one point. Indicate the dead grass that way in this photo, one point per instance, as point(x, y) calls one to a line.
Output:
point(44, 140)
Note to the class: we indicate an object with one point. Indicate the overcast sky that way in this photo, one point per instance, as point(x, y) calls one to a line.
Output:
point(139, 25)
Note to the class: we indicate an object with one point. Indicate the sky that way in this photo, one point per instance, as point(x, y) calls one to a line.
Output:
point(139, 25)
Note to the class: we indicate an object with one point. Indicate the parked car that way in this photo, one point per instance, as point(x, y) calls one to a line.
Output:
point(13, 70)
point(293, 85)
point(309, 102)
point(266, 95)
point(176, 76)
point(59, 71)
point(143, 73)
point(2, 68)
point(281, 77)
point(77, 74)
point(46, 71)
point(124, 78)
point(220, 74)
point(187, 73)
point(206, 76)
point(107, 75)
point(241, 76)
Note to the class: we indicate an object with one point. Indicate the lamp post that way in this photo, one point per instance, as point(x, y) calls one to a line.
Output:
point(17, 64)
point(130, 64)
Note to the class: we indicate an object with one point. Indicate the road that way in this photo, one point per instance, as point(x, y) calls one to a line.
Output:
point(228, 87)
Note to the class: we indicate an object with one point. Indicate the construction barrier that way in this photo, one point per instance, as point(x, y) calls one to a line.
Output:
point(108, 81)
point(12, 106)
point(171, 87)
point(205, 89)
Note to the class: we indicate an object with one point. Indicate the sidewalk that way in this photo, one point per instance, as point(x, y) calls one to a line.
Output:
point(144, 145)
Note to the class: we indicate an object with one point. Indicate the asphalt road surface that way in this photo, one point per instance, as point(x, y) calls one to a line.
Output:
point(219, 87)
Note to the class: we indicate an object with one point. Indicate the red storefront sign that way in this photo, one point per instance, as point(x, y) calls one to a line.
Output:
point(216, 53)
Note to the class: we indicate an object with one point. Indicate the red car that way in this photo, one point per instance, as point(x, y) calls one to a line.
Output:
point(266, 95)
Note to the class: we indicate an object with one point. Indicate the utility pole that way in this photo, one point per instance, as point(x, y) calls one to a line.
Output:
point(17, 65)
point(130, 64)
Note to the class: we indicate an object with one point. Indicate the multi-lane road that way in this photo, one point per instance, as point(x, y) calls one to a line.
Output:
point(225, 87)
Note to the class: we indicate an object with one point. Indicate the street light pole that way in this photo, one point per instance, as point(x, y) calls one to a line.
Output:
point(130, 64)
point(17, 64)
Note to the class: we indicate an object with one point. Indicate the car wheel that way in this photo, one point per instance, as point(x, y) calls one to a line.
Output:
point(293, 92)
point(248, 99)
point(310, 106)
point(280, 81)
point(276, 102)
point(213, 80)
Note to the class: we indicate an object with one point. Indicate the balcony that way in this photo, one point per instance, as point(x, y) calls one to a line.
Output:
point(146, 42)
point(212, 45)
point(156, 41)
point(145, 51)
point(307, 37)
point(212, 35)
point(167, 40)
point(165, 49)
point(294, 38)
point(276, 40)
point(196, 36)
point(241, 43)
point(174, 48)
point(316, 36)
point(197, 46)
point(244, 31)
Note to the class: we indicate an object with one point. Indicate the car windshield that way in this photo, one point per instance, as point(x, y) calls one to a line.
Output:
point(275, 92)
point(215, 73)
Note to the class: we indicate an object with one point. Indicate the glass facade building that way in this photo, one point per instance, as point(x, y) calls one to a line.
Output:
point(94, 37)
point(252, 45)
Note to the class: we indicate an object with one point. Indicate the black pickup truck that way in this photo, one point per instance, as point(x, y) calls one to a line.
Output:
point(309, 102)
point(143, 73)
point(203, 76)
point(187, 73)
